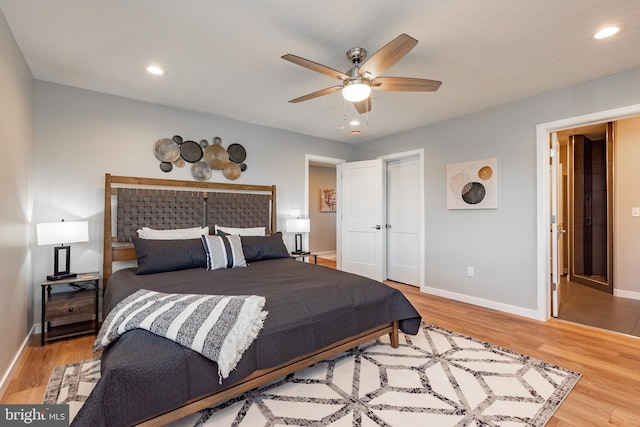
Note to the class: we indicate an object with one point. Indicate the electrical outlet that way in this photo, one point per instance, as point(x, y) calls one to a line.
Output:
point(470, 272)
point(635, 211)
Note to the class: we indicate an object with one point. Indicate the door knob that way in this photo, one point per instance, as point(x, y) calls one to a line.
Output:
point(377, 227)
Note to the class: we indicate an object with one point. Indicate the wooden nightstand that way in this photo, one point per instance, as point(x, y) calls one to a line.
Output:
point(72, 304)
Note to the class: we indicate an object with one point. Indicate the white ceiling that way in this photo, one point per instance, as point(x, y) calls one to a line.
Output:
point(223, 56)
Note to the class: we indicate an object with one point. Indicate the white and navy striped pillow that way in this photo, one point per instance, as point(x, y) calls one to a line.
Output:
point(223, 252)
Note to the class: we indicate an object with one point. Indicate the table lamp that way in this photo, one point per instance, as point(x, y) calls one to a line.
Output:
point(59, 233)
point(298, 226)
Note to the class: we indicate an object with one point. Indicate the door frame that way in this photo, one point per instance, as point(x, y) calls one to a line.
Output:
point(308, 158)
point(419, 154)
point(543, 183)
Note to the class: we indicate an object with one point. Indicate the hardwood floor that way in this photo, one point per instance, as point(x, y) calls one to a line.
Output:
point(33, 372)
point(607, 394)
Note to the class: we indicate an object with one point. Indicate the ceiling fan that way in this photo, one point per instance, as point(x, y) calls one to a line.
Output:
point(358, 81)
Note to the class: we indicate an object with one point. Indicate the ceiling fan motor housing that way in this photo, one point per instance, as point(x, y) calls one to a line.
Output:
point(357, 54)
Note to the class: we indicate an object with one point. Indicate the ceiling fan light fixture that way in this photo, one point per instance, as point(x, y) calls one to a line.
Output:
point(355, 90)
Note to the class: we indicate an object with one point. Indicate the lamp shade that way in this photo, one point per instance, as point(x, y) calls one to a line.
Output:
point(356, 91)
point(298, 225)
point(57, 233)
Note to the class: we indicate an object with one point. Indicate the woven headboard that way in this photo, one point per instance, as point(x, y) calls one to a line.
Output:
point(132, 203)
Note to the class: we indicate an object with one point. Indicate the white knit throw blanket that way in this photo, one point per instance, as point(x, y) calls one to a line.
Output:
point(220, 327)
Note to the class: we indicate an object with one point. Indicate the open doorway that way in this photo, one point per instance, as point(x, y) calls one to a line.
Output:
point(322, 210)
point(594, 251)
point(586, 154)
point(320, 179)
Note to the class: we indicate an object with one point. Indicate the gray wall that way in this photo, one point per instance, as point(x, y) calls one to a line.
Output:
point(501, 243)
point(81, 135)
point(323, 224)
point(16, 173)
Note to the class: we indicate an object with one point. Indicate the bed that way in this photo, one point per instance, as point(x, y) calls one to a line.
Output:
point(313, 312)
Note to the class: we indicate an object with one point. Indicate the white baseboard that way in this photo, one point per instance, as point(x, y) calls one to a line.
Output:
point(8, 375)
point(626, 294)
point(326, 254)
point(512, 309)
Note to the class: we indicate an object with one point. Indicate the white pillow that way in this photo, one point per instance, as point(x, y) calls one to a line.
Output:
point(223, 252)
point(253, 231)
point(173, 234)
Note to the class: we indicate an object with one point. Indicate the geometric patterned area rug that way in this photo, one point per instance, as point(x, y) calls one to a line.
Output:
point(72, 384)
point(436, 378)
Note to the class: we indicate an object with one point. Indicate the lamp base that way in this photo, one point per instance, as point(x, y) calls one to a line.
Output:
point(62, 276)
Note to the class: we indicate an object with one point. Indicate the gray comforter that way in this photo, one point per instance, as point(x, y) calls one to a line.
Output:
point(309, 307)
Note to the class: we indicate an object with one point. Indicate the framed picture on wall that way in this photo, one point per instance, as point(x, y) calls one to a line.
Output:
point(327, 200)
point(473, 185)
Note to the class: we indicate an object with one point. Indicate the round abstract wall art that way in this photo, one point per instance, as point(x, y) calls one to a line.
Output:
point(472, 185)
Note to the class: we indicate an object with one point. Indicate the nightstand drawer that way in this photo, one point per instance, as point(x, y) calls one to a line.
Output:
point(70, 308)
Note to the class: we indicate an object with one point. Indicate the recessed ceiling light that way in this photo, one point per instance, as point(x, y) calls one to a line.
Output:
point(354, 123)
point(607, 32)
point(153, 69)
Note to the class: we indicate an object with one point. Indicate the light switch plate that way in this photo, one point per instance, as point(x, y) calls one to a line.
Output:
point(635, 211)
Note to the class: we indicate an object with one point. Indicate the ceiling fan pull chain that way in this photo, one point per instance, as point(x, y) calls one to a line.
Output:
point(344, 109)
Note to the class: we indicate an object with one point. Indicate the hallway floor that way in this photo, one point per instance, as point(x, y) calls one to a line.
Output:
point(582, 304)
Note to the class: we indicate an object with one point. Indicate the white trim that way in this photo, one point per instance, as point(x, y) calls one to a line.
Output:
point(10, 372)
point(512, 309)
point(419, 153)
point(323, 253)
point(332, 161)
point(626, 294)
point(543, 224)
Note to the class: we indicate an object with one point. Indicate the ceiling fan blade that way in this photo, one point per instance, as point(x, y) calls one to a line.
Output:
point(384, 59)
point(317, 94)
point(405, 84)
point(363, 106)
point(314, 66)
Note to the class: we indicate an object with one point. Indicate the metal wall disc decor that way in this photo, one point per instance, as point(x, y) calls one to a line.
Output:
point(231, 171)
point(166, 150)
point(204, 157)
point(190, 151)
point(200, 171)
point(216, 156)
point(237, 153)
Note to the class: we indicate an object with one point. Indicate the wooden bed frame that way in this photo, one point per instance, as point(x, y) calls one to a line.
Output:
point(115, 250)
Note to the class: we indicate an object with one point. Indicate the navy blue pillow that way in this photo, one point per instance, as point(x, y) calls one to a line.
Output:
point(157, 256)
point(258, 248)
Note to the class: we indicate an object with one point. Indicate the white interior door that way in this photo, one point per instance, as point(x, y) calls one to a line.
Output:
point(555, 254)
point(363, 218)
point(403, 221)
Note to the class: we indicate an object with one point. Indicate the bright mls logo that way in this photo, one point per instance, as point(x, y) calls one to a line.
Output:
point(34, 415)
